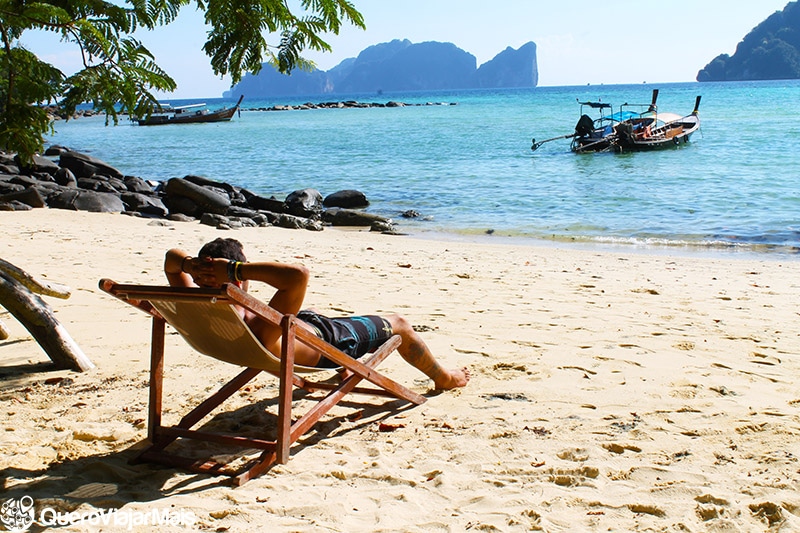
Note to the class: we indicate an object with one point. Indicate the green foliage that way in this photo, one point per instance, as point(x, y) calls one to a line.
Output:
point(119, 73)
point(236, 43)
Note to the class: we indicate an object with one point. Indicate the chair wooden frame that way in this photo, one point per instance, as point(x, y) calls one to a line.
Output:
point(148, 297)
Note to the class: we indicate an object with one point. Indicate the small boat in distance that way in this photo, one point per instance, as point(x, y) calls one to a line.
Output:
point(635, 127)
point(189, 114)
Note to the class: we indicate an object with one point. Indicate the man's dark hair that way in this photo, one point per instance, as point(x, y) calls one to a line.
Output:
point(221, 248)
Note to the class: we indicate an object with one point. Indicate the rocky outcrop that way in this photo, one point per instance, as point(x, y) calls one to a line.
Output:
point(85, 166)
point(771, 51)
point(411, 67)
point(82, 183)
point(399, 65)
point(348, 198)
point(509, 68)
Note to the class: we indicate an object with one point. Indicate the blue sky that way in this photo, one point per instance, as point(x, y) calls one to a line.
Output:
point(578, 41)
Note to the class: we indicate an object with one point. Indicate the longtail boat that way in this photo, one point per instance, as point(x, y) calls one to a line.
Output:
point(633, 128)
point(189, 114)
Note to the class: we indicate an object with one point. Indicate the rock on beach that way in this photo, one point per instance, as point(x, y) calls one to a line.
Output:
point(80, 182)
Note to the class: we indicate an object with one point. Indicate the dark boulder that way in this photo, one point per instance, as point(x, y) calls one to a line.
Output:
point(48, 190)
point(80, 200)
point(102, 184)
point(29, 196)
point(14, 205)
point(136, 184)
point(180, 217)
point(220, 187)
point(242, 212)
point(6, 186)
point(85, 166)
point(347, 217)
point(349, 199)
point(181, 205)
point(6, 159)
point(56, 150)
point(142, 203)
point(265, 204)
point(37, 164)
point(306, 203)
point(206, 200)
point(385, 226)
point(211, 184)
point(25, 181)
point(226, 222)
point(65, 177)
point(283, 220)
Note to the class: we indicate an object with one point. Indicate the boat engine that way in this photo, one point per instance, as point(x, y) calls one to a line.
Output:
point(624, 131)
point(585, 126)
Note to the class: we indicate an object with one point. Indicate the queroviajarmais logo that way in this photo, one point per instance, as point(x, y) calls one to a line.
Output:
point(17, 514)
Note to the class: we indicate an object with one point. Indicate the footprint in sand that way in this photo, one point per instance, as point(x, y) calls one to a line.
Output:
point(572, 477)
point(771, 511)
point(512, 368)
point(762, 359)
point(646, 509)
point(613, 447)
point(577, 455)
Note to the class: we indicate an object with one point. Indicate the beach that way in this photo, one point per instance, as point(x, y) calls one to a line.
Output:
point(611, 390)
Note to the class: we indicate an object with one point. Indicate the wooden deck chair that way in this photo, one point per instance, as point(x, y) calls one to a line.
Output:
point(207, 320)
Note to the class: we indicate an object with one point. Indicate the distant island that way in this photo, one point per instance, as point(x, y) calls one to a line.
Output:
point(771, 51)
point(396, 66)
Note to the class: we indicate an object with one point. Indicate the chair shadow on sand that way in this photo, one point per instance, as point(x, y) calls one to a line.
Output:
point(108, 482)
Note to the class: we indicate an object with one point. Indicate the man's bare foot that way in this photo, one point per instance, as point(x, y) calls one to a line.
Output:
point(453, 379)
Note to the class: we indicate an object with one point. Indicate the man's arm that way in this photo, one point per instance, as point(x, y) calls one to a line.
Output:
point(174, 264)
point(291, 282)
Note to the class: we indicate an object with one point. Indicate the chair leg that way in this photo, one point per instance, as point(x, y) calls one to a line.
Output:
point(156, 385)
point(286, 387)
point(155, 431)
point(156, 377)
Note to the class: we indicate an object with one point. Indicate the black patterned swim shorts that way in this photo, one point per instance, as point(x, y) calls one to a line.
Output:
point(354, 335)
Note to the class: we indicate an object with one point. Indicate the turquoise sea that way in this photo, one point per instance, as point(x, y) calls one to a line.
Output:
point(469, 170)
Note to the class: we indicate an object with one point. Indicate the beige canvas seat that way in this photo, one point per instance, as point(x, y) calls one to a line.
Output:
point(209, 322)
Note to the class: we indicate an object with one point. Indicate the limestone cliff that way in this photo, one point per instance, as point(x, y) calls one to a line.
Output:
point(399, 65)
point(771, 51)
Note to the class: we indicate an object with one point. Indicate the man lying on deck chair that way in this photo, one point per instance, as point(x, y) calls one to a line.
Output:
point(223, 261)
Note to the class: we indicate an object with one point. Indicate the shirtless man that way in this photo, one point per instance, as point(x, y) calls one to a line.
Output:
point(223, 261)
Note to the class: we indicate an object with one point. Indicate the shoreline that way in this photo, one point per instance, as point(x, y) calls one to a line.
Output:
point(610, 390)
point(688, 250)
point(684, 195)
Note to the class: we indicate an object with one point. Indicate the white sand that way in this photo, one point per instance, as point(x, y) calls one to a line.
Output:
point(610, 391)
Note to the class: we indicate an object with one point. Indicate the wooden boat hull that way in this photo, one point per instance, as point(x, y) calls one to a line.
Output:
point(670, 135)
point(647, 131)
point(194, 117)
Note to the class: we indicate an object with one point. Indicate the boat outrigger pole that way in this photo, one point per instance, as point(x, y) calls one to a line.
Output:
point(583, 127)
point(537, 145)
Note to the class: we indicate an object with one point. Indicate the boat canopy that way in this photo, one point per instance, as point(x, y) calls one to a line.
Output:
point(622, 116)
point(669, 117)
point(596, 105)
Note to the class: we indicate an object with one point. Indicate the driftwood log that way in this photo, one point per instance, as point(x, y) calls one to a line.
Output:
point(17, 289)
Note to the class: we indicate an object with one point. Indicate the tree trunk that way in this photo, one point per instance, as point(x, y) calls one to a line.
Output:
point(37, 317)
